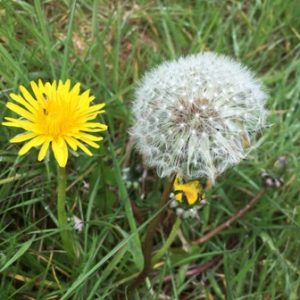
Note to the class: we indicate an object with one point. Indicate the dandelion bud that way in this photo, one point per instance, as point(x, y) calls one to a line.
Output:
point(206, 107)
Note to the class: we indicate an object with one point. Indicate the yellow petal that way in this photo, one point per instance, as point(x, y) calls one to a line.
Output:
point(94, 124)
point(177, 183)
point(191, 196)
point(75, 90)
point(89, 136)
point(90, 143)
point(98, 126)
point(95, 108)
point(20, 111)
point(71, 142)
point(34, 142)
point(92, 116)
point(66, 86)
point(60, 151)
point(28, 97)
point(84, 148)
point(91, 98)
point(23, 102)
point(178, 197)
point(190, 189)
point(38, 92)
point(43, 150)
point(92, 129)
point(48, 91)
point(41, 85)
point(85, 96)
point(54, 83)
point(12, 122)
point(22, 137)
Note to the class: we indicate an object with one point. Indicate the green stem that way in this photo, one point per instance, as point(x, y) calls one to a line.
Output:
point(232, 219)
point(66, 234)
point(148, 242)
point(168, 242)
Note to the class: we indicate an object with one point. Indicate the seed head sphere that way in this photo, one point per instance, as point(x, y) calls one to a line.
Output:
point(198, 115)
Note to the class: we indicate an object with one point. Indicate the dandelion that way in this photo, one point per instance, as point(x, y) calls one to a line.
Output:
point(197, 116)
point(59, 116)
point(55, 115)
point(194, 118)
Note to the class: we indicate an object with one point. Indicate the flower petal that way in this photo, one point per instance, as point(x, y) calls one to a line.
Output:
point(37, 90)
point(23, 102)
point(60, 151)
point(89, 136)
point(65, 88)
point(43, 150)
point(84, 148)
point(95, 108)
point(20, 111)
point(28, 97)
point(190, 189)
point(89, 142)
point(71, 142)
point(99, 126)
point(12, 122)
point(178, 197)
point(22, 137)
point(75, 90)
point(38, 140)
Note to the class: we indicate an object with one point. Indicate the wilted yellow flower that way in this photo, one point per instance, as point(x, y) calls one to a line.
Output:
point(190, 190)
point(58, 115)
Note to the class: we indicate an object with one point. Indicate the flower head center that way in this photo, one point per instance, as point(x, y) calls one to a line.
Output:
point(56, 118)
point(199, 114)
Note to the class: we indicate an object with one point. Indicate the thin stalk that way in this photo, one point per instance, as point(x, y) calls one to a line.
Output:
point(232, 219)
point(168, 242)
point(66, 234)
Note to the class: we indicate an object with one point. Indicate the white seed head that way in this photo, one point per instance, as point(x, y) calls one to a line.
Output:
point(206, 106)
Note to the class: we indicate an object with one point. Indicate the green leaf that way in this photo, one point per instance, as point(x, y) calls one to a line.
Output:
point(18, 254)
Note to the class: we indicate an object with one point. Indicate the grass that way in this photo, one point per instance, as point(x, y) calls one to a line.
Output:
point(107, 46)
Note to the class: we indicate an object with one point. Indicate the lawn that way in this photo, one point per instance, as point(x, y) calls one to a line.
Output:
point(107, 46)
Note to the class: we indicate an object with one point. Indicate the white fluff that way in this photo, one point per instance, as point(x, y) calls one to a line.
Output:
point(193, 116)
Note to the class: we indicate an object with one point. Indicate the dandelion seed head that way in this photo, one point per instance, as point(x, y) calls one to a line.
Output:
point(206, 106)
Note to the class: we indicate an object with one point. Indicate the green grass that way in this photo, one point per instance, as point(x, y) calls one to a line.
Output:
point(107, 46)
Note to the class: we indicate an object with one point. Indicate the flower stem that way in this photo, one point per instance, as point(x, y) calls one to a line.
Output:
point(148, 242)
point(232, 219)
point(168, 242)
point(66, 234)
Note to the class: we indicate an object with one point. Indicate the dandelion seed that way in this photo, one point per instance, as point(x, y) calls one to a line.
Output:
point(55, 115)
point(179, 211)
point(212, 95)
point(78, 224)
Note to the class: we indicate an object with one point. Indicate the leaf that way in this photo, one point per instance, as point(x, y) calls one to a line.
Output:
point(18, 254)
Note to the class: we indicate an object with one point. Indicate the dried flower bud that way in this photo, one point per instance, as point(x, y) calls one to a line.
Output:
point(271, 180)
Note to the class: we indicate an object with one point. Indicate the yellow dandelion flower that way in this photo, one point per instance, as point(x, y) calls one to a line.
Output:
point(57, 115)
point(191, 190)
